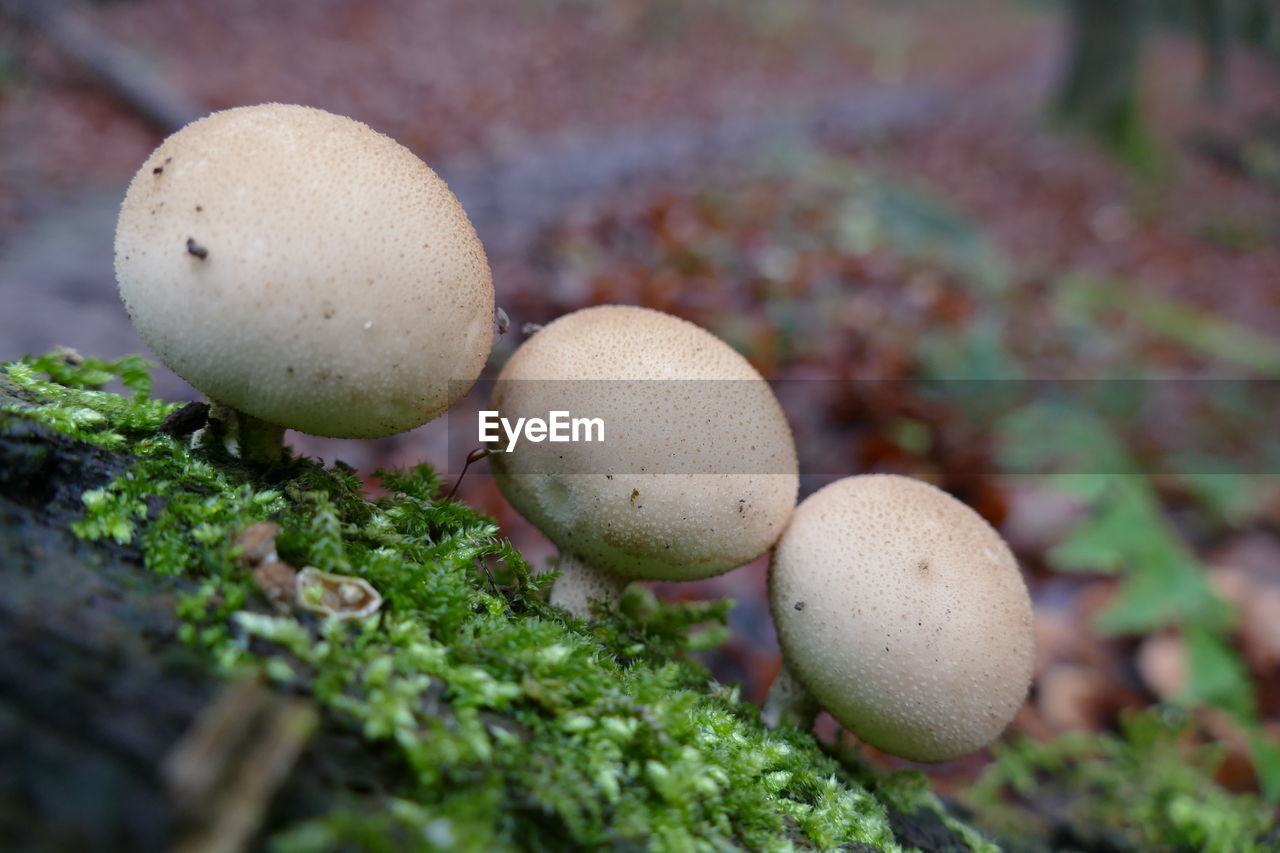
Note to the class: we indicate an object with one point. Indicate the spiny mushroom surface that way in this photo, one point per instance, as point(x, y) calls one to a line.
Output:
point(903, 614)
point(306, 270)
point(697, 472)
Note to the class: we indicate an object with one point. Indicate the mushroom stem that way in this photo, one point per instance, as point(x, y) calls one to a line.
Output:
point(789, 702)
point(251, 439)
point(579, 584)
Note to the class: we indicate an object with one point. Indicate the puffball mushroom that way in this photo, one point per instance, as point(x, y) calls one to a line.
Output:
point(697, 471)
point(305, 271)
point(902, 613)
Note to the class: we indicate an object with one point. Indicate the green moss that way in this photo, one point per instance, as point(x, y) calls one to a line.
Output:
point(508, 725)
point(1143, 790)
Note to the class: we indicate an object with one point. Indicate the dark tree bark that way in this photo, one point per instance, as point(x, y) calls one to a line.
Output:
point(114, 735)
point(1269, 25)
point(1214, 23)
point(116, 68)
point(1100, 92)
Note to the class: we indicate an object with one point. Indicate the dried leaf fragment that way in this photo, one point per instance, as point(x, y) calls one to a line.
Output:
point(257, 544)
point(342, 596)
point(279, 582)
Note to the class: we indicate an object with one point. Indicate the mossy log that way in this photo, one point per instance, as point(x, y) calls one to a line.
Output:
point(158, 692)
point(153, 696)
point(167, 683)
point(99, 698)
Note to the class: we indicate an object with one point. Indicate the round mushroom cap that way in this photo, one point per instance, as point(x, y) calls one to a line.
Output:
point(904, 614)
point(307, 270)
point(697, 470)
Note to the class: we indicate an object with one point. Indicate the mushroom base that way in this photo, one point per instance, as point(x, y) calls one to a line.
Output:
point(251, 439)
point(789, 702)
point(580, 584)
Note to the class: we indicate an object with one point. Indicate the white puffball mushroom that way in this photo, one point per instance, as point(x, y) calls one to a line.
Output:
point(305, 270)
point(697, 471)
point(903, 614)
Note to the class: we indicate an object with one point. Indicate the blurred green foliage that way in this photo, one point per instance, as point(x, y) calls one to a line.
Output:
point(1143, 789)
point(1088, 298)
point(1125, 530)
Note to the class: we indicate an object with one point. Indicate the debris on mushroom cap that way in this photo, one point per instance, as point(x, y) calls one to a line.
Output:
point(191, 418)
point(342, 596)
point(307, 270)
point(916, 632)
point(691, 481)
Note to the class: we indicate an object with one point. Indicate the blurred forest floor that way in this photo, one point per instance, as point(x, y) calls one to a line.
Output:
point(860, 196)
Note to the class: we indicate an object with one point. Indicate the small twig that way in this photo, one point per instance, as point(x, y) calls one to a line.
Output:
point(224, 771)
point(474, 456)
point(489, 574)
point(110, 64)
